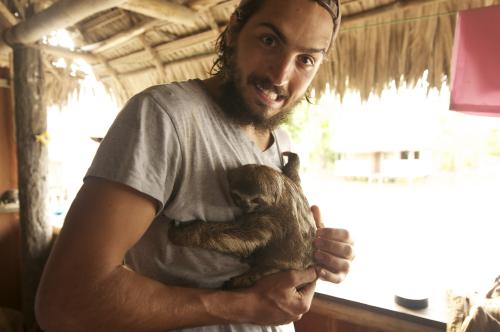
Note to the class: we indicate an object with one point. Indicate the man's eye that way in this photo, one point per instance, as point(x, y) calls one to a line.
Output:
point(268, 40)
point(307, 60)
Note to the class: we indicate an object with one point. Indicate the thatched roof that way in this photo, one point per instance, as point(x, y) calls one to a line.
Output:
point(140, 43)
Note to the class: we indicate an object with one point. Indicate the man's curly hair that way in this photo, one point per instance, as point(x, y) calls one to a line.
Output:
point(243, 13)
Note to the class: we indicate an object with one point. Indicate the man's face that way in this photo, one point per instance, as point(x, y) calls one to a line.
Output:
point(277, 53)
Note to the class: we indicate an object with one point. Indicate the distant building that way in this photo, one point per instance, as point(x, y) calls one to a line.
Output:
point(384, 144)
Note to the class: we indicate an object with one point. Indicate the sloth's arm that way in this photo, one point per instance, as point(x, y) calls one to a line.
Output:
point(239, 238)
point(291, 169)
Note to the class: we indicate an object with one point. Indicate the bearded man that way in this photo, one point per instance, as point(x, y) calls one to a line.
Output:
point(165, 159)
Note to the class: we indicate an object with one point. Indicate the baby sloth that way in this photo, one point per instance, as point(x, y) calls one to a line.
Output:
point(275, 231)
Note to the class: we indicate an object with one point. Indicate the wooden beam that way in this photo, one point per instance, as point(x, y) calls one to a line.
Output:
point(156, 58)
point(167, 66)
point(60, 15)
point(7, 19)
point(122, 37)
point(169, 47)
point(88, 57)
point(98, 23)
point(356, 20)
point(387, 9)
point(169, 35)
point(67, 54)
point(227, 5)
point(115, 76)
point(210, 20)
point(201, 4)
point(185, 61)
point(182, 43)
point(163, 10)
point(125, 36)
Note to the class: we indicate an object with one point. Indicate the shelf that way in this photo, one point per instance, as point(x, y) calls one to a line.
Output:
point(9, 208)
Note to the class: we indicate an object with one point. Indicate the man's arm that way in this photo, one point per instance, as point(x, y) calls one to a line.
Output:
point(85, 287)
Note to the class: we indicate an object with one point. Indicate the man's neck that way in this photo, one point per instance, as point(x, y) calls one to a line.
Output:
point(261, 137)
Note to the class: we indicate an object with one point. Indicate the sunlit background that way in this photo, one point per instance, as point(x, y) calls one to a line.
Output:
point(415, 183)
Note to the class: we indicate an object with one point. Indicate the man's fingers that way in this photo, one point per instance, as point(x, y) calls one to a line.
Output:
point(326, 275)
point(335, 234)
point(298, 290)
point(317, 216)
point(340, 249)
point(331, 262)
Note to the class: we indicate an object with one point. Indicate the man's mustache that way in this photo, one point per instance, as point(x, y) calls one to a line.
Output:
point(266, 84)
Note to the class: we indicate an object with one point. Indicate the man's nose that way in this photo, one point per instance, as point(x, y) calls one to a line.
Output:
point(281, 69)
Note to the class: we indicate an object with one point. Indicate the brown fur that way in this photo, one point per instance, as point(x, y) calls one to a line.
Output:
point(275, 231)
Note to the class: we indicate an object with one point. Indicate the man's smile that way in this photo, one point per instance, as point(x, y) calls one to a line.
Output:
point(269, 97)
point(268, 94)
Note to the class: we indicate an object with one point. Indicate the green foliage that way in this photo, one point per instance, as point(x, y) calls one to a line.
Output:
point(311, 130)
point(493, 142)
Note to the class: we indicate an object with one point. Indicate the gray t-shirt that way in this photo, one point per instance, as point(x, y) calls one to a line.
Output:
point(173, 143)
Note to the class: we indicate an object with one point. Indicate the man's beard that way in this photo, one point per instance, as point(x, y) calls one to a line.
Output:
point(236, 108)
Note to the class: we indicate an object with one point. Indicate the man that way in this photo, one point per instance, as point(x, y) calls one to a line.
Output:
point(164, 160)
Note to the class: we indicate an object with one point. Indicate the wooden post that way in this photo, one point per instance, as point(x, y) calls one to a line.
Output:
point(32, 154)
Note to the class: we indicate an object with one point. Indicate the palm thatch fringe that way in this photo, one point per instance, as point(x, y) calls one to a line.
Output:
point(397, 48)
point(397, 45)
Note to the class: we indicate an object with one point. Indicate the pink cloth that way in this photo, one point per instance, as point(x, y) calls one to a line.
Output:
point(475, 71)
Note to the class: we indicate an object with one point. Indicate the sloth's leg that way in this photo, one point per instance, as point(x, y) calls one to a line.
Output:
point(237, 238)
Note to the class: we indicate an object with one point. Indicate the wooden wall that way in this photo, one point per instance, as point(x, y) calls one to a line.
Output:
point(10, 277)
point(313, 321)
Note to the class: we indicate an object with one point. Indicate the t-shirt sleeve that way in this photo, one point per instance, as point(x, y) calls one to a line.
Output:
point(141, 150)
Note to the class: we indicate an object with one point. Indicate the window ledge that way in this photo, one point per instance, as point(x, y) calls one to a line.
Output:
point(378, 310)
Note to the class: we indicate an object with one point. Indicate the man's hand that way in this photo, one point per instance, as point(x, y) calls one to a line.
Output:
point(277, 299)
point(334, 250)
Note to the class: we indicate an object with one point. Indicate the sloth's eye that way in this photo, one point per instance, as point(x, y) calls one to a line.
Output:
point(258, 201)
point(236, 198)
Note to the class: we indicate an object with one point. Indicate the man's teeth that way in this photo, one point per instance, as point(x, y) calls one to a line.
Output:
point(270, 94)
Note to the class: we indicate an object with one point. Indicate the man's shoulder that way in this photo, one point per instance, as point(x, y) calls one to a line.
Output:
point(178, 99)
point(172, 93)
point(186, 105)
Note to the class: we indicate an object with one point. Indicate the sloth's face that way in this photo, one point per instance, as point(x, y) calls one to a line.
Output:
point(248, 203)
point(254, 187)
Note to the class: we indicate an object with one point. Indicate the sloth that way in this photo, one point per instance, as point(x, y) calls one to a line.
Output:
point(275, 231)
